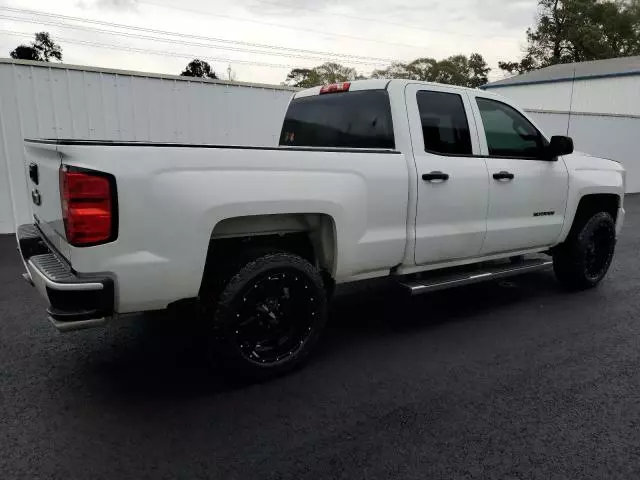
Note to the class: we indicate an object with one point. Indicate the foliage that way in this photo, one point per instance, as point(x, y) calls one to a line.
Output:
point(568, 31)
point(457, 70)
point(326, 73)
point(303, 78)
point(25, 52)
point(460, 70)
point(43, 49)
point(198, 68)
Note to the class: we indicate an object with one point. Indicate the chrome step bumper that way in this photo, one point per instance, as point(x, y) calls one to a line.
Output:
point(76, 301)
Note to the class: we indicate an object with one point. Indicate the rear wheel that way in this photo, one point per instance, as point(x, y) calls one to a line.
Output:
point(269, 313)
point(585, 257)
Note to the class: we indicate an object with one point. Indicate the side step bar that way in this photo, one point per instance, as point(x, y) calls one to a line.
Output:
point(441, 281)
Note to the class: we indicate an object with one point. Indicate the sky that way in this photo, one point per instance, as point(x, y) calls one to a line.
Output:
point(262, 40)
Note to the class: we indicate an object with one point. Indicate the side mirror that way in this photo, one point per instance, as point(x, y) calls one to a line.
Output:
point(559, 145)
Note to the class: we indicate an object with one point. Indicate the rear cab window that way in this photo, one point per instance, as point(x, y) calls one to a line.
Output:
point(356, 119)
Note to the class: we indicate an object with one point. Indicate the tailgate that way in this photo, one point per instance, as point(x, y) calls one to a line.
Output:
point(43, 165)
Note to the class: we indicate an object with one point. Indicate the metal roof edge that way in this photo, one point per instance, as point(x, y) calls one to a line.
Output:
point(631, 73)
point(134, 73)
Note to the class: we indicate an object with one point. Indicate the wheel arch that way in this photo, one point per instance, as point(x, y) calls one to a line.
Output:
point(589, 204)
point(313, 236)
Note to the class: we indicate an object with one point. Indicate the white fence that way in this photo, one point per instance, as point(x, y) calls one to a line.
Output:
point(62, 101)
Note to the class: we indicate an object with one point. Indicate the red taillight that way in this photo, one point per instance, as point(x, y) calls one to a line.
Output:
point(335, 88)
point(87, 207)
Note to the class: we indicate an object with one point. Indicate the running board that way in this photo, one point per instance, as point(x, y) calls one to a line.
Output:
point(443, 280)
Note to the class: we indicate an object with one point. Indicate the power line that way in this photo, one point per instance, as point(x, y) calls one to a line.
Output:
point(279, 25)
point(185, 35)
point(182, 42)
point(376, 20)
point(358, 59)
point(155, 52)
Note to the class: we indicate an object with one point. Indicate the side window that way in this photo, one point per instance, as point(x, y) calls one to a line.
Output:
point(445, 128)
point(509, 134)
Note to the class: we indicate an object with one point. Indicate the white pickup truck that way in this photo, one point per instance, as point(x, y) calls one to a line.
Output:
point(432, 185)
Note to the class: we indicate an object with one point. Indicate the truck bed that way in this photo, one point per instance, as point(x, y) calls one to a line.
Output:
point(172, 199)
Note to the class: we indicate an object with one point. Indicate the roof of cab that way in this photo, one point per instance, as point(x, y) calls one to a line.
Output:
point(372, 84)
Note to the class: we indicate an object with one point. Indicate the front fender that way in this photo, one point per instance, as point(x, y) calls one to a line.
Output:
point(585, 180)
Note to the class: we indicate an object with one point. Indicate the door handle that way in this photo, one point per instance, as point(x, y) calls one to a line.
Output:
point(504, 175)
point(433, 176)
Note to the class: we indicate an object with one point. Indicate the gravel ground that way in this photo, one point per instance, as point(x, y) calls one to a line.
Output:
point(509, 380)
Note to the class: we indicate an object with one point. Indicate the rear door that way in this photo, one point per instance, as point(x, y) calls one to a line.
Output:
point(528, 192)
point(453, 185)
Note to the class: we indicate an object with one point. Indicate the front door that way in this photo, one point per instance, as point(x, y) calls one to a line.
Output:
point(453, 185)
point(527, 192)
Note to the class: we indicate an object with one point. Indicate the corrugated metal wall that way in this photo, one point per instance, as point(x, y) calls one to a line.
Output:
point(552, 123)
point(604, 136)
point(546, 96)
point(601, 115)
point(57, 101)
point(612, 95)
point(615, 95)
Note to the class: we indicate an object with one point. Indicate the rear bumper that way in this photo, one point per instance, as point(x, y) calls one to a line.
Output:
point(76, 301)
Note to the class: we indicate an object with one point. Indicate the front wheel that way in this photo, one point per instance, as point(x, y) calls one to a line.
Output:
point(585, 257)
point(270, 313)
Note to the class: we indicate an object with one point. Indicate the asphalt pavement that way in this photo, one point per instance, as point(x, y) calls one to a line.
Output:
point(502, 380)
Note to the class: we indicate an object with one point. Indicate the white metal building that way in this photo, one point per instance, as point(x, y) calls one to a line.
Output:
point(44, 100)
point(595, 103)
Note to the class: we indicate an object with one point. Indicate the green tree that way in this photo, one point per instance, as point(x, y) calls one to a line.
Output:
point(25, 52)
point(525, 65)
point(460, 70)
point(329, 72)
point(198, 68)
point(303, 78)
point(406, 71)
point(43, 49)
point(569, 31)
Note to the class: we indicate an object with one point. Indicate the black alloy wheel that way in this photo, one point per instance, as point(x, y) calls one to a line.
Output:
point(583, 260)
point(275, 315)
point(270, 313)
point(598, 252)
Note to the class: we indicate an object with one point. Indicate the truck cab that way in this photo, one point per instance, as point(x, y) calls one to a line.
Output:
point(484, 179)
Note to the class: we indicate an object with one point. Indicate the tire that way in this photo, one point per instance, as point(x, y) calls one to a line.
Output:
point(269, 314)
point(583, 260)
